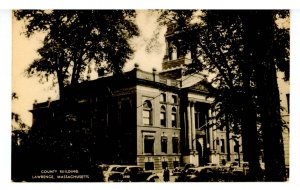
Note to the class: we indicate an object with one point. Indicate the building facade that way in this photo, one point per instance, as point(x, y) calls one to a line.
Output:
point(150, 119)
point(284, 94)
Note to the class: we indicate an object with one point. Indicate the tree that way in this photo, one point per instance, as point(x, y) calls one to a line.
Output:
point(78, 40)
point(269, 48)
point(232, 44)
point(19, 136)
point(75, 43)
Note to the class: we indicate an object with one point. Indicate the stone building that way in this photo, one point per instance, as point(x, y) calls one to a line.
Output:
point(284, 94)
point(151, 119)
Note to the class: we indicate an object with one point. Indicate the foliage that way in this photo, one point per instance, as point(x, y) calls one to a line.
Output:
point(240, 48)
point(77, 41)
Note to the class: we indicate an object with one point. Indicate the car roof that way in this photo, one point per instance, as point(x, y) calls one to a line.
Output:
point(204, 167)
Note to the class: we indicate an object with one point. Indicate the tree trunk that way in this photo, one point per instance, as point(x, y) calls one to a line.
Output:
point(60, 77)
point(250, 137)
point(260, 36)
point(268, 95)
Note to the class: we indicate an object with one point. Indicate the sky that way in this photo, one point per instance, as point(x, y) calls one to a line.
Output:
point(24, 52)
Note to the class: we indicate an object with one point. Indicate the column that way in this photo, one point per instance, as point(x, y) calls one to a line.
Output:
point(210, 130)
point(211, 154)
point(189, 126)
point(193, 126)
point(212, 144)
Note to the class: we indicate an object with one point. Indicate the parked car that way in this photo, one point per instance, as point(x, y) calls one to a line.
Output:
point(211, 164)
point(206, 174)
point(116, 174)
point(196, 174)
point(132, 174)
point(187, 166)
point(153, 178)
point(177, 171)
point(108, 172)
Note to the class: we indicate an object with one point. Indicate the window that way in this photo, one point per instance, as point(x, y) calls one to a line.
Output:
point(147, 113)
point(236, 146)
point(164, 144)
point(163, 116)
point(174, 117)
point(149, 165)
point(174, 99)
point(222, 145)
point(175, 144)
point(163, 97)
point(149, 144)
point(172, 52)
point(201, 114)
point(176, 164)
point(164, 164)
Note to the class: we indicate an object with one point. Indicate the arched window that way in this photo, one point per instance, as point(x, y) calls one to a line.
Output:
point(163, 116)
point(174, 117)
point(147, 113)
point(174, 99)
point(172, 52)
point(164, 144)
point(163, 97)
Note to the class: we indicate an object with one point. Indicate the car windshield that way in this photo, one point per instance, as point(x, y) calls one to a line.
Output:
point(120, 169)
point(136, 169)
point(114, 169)
point(191, 171)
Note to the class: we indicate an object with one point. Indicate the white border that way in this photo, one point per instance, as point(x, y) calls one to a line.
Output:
point(147, 4)
point(5, 92)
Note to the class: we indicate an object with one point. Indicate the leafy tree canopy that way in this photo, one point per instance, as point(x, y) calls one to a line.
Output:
point(78, 41)
point(243, 49)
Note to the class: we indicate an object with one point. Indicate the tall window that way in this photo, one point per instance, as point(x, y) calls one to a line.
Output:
point(174, 99)
point(236, 146)
point(172, 52)
point(201, 114)
point(164, 144)
point(176, 164)
point(163, 97)
point(164, 164)
point(149, 165)
point(222, 145)
point(175, 144)
point(163, 116)
point(149, 144)
point(174, 117)
point(147, 113)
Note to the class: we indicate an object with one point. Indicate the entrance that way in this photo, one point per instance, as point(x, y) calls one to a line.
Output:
point(199, 147)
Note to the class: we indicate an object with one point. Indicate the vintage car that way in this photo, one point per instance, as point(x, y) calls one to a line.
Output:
point(132, 174)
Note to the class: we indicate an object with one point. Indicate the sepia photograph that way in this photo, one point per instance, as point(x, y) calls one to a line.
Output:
point(150, 95)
